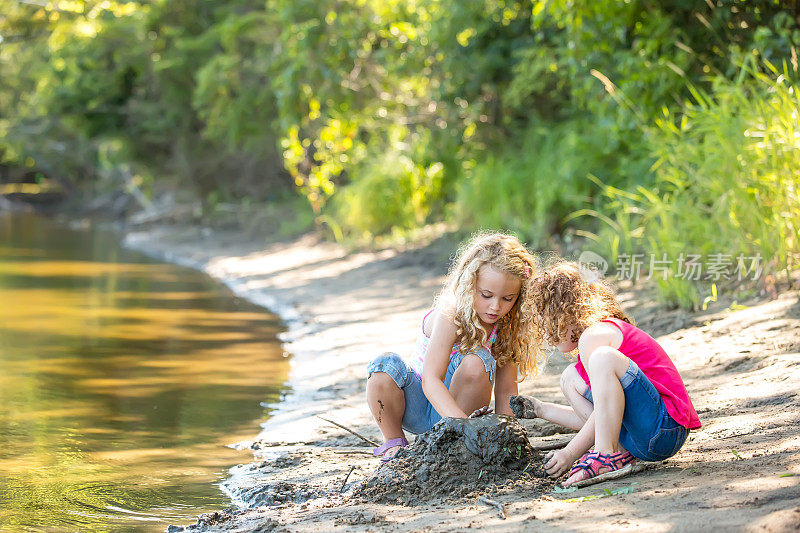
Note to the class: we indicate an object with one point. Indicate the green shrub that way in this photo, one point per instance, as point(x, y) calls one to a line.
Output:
point(529, 187)
point(388, 193)
point(727, 183)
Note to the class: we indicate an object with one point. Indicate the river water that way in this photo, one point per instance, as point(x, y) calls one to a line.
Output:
point(122, 380)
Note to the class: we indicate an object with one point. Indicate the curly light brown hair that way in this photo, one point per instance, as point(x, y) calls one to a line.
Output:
point(564, 296)
point(514, 330)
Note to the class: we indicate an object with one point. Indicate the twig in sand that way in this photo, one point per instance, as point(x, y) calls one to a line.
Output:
point(352, 452)
point(616, 474)
point(341, 489)
point(362, 437)
point(501, 510)
point(549, 443)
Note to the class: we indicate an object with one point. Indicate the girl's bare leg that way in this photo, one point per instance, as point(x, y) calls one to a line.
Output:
point(581, 414)
point(606, 366)
point(387, 403)
point(573, 387)
point(470, 384)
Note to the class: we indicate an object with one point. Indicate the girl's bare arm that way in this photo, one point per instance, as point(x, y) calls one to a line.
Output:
point(505, 386)
point(434, 368)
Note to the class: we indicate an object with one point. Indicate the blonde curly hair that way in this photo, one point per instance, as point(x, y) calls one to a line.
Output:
point(563, 296)
point(514, 330)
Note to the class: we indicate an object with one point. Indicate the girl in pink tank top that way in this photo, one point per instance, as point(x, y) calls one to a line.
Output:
point(627, 399)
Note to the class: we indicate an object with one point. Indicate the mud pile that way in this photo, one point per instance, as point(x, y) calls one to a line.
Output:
point(457, 458)
point(522, 407)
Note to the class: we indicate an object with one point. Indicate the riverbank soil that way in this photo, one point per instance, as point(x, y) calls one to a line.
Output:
point(740, 472)
point(458, 458)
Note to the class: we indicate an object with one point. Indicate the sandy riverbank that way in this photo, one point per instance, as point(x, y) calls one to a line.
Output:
point(739, 472)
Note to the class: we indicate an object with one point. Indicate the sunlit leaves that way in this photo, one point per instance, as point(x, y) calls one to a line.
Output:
point(315, 164)
point(238, 96)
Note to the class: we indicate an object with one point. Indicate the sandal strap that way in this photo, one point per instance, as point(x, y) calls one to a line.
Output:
point(400, 441)
point(582, 461)
point(593, 461)
point(589, 463)
point(621, 459)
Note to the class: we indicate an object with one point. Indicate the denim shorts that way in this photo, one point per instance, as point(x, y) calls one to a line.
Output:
point(420, 416)
point(648, 431)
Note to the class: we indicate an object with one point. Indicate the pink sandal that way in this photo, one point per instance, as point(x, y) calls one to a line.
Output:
point(591, 463)
point(381, 450)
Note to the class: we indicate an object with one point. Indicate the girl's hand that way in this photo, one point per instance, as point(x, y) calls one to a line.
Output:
point(485, 410)
point(526, 407)
point(557, 462)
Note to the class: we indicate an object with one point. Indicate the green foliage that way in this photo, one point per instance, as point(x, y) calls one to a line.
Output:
point(474, 47)
point(726, 182)
point(390, 190)
point(387, 115)
point(96, 64)
point(230, 96)
point(346, 72)
point(125, 74)
point(528, 187)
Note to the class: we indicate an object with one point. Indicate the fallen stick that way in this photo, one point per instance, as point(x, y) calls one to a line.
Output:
point(316, 448)
point(616, 474)
point(360, 436)
point(352, 452)
point(501, 510)
point(544, 445)
point(346, 478)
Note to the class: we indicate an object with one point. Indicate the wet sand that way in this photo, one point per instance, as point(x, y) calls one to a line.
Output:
point(739, 472)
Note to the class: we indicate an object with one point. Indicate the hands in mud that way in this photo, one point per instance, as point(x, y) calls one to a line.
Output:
point(485, 410)
point(525, 406)
point(557, 462)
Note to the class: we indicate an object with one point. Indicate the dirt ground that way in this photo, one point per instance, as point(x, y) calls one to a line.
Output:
point(740, 472)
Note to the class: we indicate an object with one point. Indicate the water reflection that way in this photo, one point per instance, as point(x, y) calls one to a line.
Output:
point(121, 381)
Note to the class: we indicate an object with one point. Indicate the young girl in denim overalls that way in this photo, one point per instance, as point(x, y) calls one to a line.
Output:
point(626, 397)
point(477, 336)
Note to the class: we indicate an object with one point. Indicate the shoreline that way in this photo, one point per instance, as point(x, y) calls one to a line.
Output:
point(342, 309)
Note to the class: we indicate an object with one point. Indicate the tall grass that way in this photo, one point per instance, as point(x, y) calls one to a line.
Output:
point(727, 179)
point(389, 193)
point(529, 186)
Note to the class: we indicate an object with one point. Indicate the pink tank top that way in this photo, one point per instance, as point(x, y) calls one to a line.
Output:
point(651, 358)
